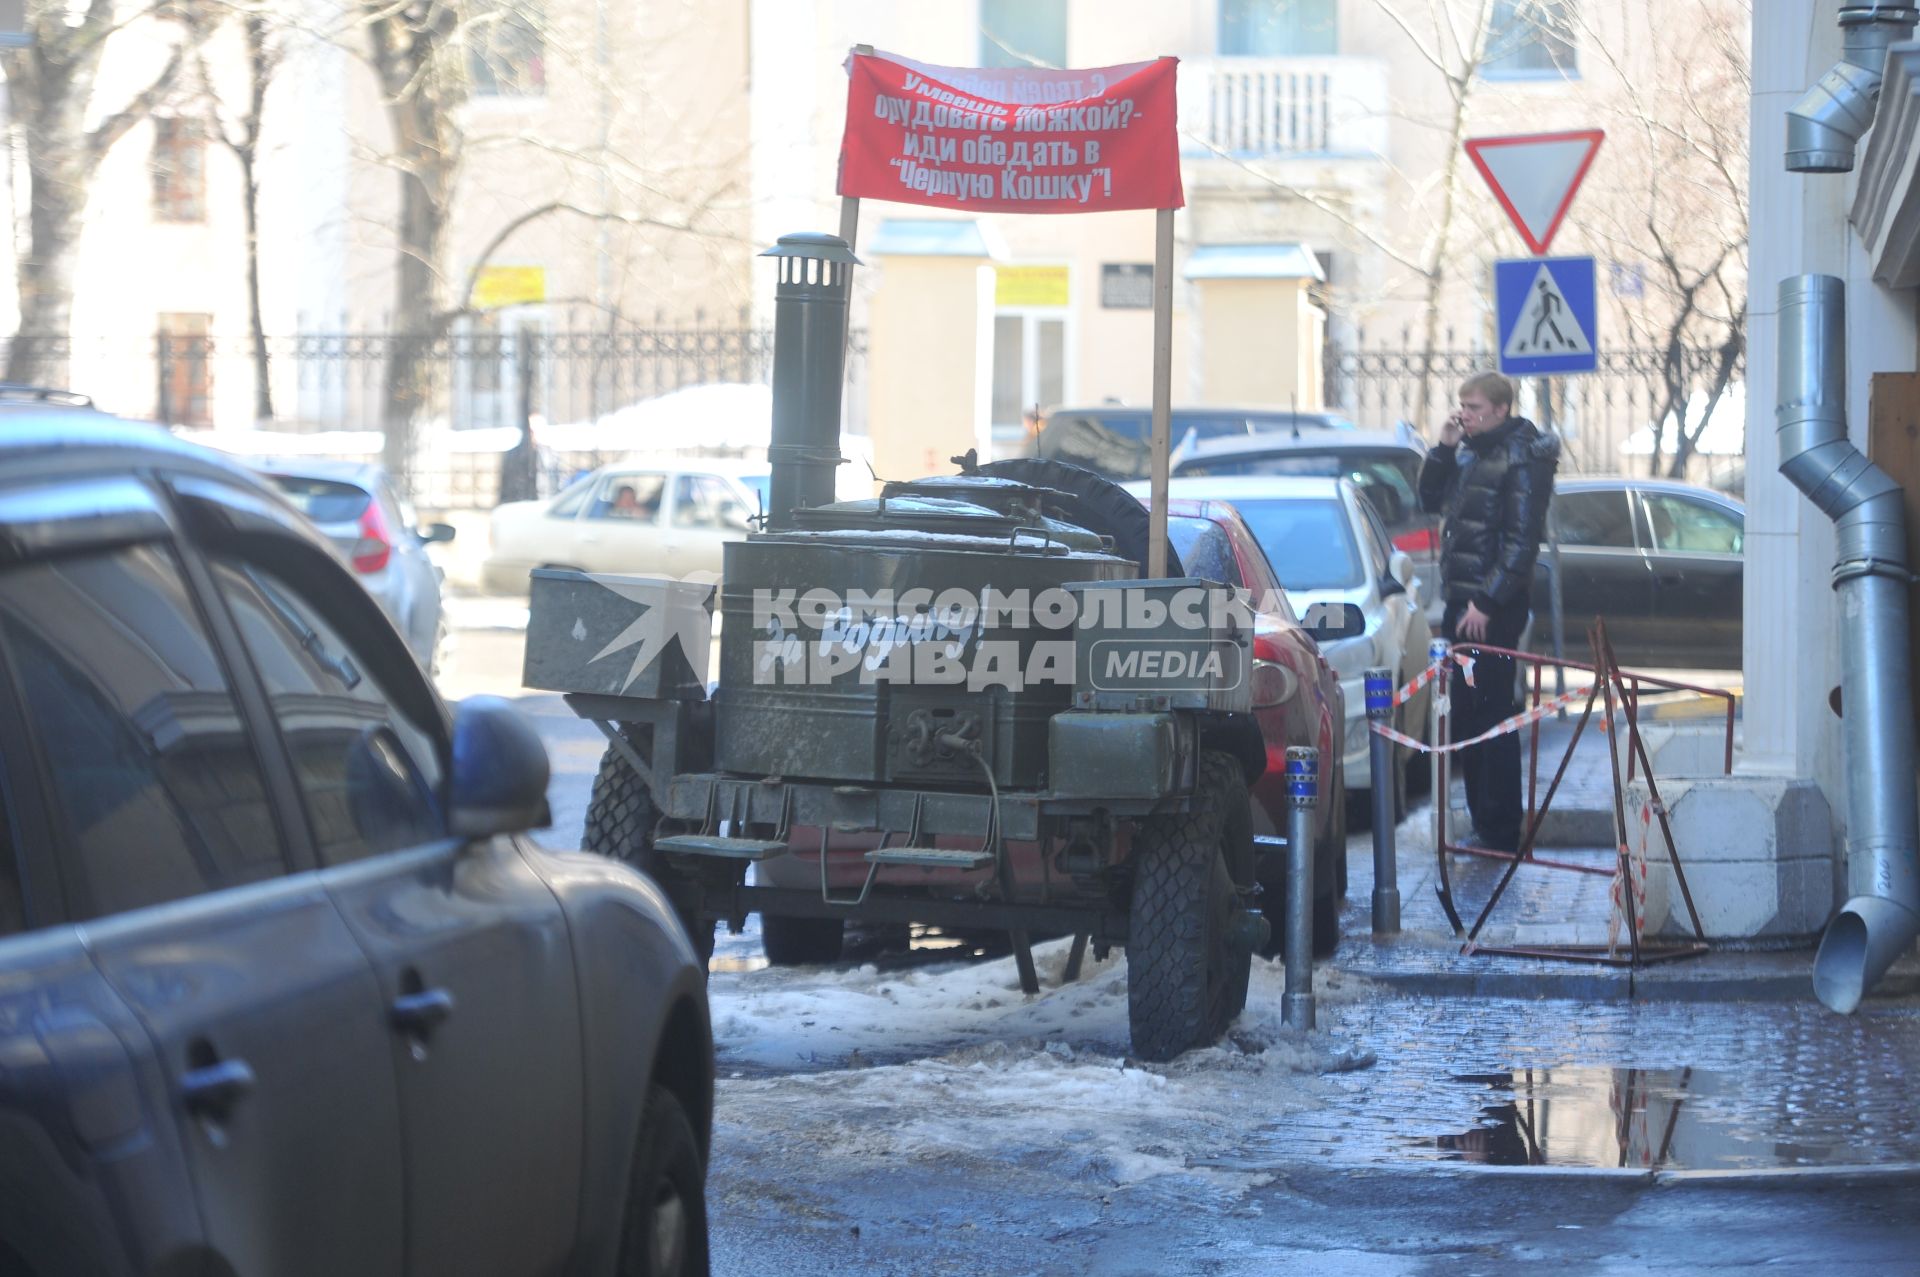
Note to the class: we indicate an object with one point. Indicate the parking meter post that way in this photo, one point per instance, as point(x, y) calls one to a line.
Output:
point(1383, 754)
point(1438, 653)
point(1303, 788)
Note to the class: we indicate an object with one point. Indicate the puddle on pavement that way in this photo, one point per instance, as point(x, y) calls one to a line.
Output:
point(1656, 1119)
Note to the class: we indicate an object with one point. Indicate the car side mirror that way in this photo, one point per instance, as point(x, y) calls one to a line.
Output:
point(1400, 571)
point(1328, 622)
point(441, 532)
point(500, 771)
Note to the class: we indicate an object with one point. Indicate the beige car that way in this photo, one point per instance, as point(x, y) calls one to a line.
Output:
point(670, 518)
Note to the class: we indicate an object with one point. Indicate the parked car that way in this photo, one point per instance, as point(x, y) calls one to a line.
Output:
point(669, 517)
point(1327, 544)
point(1383, 464)
point(379, 536)
point(1297, 701)
point(1662, 562)
point(1117, 441)
point(283, 987)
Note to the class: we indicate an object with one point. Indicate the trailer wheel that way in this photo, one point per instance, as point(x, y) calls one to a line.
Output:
point(1185, 980)
point(800, 942)
point(621, 818)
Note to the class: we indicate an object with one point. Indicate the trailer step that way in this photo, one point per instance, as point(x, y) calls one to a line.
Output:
point(931, 857)
point(714, 845)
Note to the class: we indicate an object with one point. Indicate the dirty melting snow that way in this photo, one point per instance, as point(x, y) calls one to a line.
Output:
point(953, 1062)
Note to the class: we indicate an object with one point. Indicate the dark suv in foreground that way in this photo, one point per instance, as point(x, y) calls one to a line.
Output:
point(283, 990)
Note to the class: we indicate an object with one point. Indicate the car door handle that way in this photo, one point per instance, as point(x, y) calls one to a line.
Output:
point(1671, 578)
point(423, 1011)
point(213, 1089)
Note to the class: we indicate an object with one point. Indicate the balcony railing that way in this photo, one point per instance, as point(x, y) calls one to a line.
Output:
point(1250, 107)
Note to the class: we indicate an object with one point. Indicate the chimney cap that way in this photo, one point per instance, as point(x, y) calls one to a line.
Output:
point(814, 244)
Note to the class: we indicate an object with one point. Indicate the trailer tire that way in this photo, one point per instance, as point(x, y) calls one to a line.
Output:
point(801, 942)
point(621, 819)
point(1185, 981)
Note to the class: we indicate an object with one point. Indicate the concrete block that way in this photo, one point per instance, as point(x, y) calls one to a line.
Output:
point(1758, 854)
point(1689, 749)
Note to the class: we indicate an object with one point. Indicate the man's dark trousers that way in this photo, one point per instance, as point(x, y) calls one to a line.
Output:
point(1492, 768)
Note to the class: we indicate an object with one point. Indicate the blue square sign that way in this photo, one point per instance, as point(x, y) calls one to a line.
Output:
point(1547, 312)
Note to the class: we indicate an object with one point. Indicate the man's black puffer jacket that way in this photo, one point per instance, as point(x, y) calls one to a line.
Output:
point(1491, 492)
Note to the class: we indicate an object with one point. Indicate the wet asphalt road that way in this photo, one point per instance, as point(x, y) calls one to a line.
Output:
point(1386, 1173)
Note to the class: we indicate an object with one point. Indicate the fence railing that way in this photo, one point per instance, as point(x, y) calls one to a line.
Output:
point(1285, 106)
point(1604, 418)
point(581, 387)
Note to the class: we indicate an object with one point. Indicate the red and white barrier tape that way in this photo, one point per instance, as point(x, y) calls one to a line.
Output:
point(1630, 873)
point(1501, 728)
point(1432, 672)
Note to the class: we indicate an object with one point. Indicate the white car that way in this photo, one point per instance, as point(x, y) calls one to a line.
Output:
point(1327, 545)
point(671, 518)
point(379, 536)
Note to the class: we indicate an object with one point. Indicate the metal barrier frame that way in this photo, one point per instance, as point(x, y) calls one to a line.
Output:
point(1621, 691)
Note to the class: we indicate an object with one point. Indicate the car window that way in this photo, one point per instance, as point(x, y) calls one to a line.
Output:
point(1600, 518)
point(569, 503)
point(368, 775)
point(153, 772)
point(1204, 550)
point(1390, 482)
point(324, 500)
point(629, 496)
point(1683, 524)
point(1268, 592)
point(704, 501)
point(1309, 542)
point(1375, 536)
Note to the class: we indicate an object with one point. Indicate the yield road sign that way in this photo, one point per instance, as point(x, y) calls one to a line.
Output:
point(1535, 176)
point(1547, 312)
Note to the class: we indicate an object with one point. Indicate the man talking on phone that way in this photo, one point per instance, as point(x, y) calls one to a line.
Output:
point(1490, 479)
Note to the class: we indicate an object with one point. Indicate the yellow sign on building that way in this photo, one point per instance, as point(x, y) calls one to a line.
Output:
point(1030, 286)
point(498, 286)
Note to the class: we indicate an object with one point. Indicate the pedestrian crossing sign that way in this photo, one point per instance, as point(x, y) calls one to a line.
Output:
point(1546, 307)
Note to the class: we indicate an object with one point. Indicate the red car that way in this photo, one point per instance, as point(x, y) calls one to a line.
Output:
point(1297, 701)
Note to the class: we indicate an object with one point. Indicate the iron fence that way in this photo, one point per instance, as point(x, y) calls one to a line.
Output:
point(582, 391)
point(1605, 418)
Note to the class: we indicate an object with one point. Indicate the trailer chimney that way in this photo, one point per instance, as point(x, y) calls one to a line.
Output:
point(809, 366)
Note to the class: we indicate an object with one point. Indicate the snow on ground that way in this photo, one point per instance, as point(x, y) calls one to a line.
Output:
point(952, 1062)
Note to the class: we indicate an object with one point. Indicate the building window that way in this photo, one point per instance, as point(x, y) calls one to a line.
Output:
point(186, 370)
point(1029, 368)
point(179, 170)
point(1531, 39)
point(1023, 33)
point(1279, 28)
point(506, 52)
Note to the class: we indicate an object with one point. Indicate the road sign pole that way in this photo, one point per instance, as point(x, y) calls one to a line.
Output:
point(1543, 390)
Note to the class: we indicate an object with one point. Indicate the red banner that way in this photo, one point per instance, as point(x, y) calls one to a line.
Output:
point(1011, 140)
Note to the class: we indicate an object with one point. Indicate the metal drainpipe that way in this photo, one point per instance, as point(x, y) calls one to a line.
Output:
point(1878, 923)
point(1823, 126)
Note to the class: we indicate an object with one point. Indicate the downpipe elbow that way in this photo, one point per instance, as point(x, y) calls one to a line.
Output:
point(1825, 125)
point(1861, 944)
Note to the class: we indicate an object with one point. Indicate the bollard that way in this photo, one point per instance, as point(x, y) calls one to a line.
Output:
point(1303, 788)
point(1438, 652)
point(1384, 757)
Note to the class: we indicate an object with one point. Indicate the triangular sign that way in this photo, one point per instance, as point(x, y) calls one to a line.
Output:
point(1547, 325)
point(1535, 175)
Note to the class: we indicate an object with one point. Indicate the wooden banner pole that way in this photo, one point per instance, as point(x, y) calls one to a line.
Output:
point(1162, 389)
